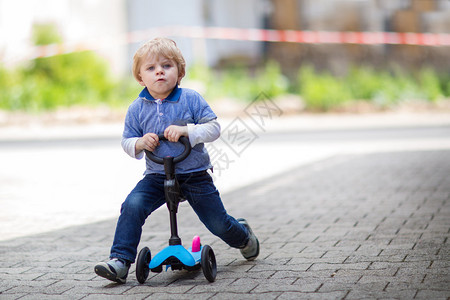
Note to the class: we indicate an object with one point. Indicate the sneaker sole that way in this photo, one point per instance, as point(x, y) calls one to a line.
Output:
point(106, 273)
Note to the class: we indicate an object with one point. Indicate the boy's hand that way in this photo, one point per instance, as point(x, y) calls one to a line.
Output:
point(148, 142)
point(174, 132)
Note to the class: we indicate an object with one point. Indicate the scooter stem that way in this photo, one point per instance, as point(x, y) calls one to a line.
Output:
point(169, 167)
point(172, 193)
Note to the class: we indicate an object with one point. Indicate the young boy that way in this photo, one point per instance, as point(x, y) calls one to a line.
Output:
point(163, 107)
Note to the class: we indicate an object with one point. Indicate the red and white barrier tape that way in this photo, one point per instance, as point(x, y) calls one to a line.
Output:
point(260, 35)
point(314, 37)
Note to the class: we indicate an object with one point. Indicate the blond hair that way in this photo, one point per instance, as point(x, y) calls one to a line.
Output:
point(159, 46)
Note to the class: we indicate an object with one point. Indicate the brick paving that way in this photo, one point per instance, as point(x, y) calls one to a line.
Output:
point(348, 227)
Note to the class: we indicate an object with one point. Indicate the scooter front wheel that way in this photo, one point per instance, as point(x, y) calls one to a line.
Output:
point(142, 264)
point(208, 262)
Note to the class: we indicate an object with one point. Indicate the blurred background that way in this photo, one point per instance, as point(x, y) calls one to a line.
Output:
point(327, 67)
point(311, 55)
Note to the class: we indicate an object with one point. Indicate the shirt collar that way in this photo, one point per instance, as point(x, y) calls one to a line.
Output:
point(174, 96)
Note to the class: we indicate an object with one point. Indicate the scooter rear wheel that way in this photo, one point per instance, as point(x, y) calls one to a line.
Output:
point(142, 264)
point(208, 262)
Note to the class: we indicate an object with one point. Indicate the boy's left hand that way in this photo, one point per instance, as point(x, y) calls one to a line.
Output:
point(174, 132)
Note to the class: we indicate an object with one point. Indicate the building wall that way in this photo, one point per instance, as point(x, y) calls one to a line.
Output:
point(147, 14)
point(363, 15)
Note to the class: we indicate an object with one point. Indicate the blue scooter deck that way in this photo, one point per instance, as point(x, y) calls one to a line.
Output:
point(185, 256)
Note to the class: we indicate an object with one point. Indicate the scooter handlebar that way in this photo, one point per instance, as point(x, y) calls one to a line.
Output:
point(159, 160)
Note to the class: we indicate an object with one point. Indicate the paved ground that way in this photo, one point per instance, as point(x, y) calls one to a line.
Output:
point(348, 227)
point(361, 213)
point(52, 177)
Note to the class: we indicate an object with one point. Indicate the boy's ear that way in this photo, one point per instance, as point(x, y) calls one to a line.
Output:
point(141, 82)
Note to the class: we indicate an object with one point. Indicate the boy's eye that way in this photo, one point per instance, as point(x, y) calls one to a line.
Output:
point(167, 66)
point(151, 68)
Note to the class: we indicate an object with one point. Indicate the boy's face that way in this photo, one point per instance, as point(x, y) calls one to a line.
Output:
point(159, 74)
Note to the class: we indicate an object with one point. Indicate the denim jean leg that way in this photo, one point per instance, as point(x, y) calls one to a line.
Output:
point(146, 197)
point(204, 198)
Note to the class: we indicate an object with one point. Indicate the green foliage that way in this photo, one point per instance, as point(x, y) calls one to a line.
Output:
point(83, 78)
point(237, 82)
point(200, 72)
point(45, 34)
point(431, 85)
point(322, 92)
point(364, 83)
point(80, 78)
point(271, 81)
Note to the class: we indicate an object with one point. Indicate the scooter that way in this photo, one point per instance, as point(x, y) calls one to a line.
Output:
point(175, 256)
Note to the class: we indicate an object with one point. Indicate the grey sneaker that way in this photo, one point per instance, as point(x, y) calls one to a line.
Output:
point(114, 270)
point(251, 250)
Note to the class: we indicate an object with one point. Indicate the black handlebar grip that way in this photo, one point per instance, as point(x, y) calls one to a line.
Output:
point(159, 160)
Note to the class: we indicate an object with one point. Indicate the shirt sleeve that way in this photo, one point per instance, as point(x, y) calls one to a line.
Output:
point(201, 111)
point(132, 126)
point(132, 132)
point(129, 146)
point(203, 133)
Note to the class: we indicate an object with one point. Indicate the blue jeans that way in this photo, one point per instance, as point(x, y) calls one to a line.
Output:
point(148, 195)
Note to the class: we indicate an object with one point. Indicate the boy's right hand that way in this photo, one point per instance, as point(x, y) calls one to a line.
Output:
point(148, 142)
